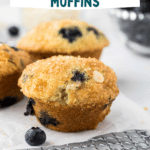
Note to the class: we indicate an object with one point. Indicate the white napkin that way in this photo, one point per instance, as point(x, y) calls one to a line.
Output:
point(125, 115)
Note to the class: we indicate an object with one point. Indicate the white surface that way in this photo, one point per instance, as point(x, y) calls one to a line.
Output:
point(124, 115)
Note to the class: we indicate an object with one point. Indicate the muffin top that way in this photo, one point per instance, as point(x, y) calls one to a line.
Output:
point(69, 80)
point(63, 36)
point(12, 60)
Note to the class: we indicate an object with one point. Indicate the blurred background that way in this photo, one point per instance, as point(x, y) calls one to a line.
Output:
point(127, 29)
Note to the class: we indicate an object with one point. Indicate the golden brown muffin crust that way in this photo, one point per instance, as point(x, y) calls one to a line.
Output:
point(69, 80)
point(9, 62)
point(12, 61)
point(48, 37)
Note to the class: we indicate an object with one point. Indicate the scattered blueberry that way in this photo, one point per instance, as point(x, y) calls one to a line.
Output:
point(29, 108)
point(70, 33)
point(8, 101)
point(78, 76)
point(94, 30)
point(13, 31)
point(45, 119)
point(35, 136)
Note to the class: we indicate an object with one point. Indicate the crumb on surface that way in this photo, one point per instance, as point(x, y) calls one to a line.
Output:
point(145, 108)
point(142, 122)
point(35, 124)
point(4, 133)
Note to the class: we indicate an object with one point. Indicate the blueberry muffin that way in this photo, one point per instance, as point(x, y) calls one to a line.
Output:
point(64, 37)
point(12, 62)
point(67, 93)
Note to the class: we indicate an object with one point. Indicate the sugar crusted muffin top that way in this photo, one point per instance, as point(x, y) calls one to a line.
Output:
point(12, 60)
point(69, 80)
point(63, 36)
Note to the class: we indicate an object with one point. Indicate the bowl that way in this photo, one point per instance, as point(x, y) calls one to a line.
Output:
point(135, 25)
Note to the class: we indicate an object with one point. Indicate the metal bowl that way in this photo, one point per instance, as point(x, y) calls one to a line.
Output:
point(136, 28)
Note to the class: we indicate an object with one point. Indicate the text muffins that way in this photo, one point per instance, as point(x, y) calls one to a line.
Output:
point(12, 62)
point(69, 93)
point(64, 37)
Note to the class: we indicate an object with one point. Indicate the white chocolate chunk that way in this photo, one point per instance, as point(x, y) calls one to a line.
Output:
point(98, 77)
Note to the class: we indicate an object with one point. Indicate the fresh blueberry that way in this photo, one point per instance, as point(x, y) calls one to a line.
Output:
point(78, 76)
point(35, 136)
point(13, 31)
point(70, 33)
point(29, 108)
